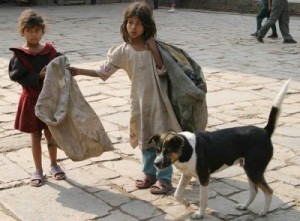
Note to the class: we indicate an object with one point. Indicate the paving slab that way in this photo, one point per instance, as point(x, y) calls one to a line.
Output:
point(30, 204)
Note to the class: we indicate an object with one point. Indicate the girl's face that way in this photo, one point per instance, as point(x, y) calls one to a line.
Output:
point(135, 28)
point(33, 35)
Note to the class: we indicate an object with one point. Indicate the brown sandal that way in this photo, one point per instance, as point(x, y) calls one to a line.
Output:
point(161, 187)
point(146, 182)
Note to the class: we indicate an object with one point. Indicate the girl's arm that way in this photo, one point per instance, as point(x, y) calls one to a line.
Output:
point(106, 67)
point(157, 57)
point(17, 72)
point(80, 71)
point(103, 72)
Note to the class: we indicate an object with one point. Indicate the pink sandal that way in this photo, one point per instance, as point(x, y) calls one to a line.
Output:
point(146, 182)
point(57, 172)
point(37, 179)
point(161, 187)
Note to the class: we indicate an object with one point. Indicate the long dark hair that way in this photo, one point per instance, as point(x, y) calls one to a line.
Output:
point(144, 13)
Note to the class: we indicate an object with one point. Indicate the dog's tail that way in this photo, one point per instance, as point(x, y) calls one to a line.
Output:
point(275, 111)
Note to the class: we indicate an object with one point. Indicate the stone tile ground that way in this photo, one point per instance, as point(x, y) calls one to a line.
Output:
point(243, 78)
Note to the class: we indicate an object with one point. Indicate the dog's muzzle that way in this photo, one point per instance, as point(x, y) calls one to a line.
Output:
point(159, 162)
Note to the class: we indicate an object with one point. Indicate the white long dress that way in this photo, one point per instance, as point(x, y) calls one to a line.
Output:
point(151, 110)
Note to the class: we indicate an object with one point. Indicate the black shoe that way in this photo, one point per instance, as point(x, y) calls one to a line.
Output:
point(289, 41)
point(259, 39)
point(254, 34)
point(273, 36)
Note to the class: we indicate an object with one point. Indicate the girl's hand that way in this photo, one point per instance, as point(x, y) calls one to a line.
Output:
point(43, 73)
point(74, 71)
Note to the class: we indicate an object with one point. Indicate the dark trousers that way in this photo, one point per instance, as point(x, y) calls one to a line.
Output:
point(155, 4)
point(264, 13)
point(280, 12)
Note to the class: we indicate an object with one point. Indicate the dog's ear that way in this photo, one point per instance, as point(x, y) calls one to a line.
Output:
point(154, 139)
point(178, 141)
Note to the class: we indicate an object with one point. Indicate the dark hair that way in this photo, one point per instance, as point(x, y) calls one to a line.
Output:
point(144, 13)
point(28, 19)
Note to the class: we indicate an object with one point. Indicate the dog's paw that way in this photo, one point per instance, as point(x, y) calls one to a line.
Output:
point(262, 213)
point(197, 215)
point(183, 201)
point(241, 207)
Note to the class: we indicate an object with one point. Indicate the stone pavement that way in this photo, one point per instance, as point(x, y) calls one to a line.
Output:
point(243, 78)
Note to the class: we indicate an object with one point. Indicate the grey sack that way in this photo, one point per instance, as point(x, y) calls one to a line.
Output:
point(74, 125)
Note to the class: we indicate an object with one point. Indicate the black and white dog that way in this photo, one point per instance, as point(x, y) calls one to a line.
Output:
point(202, 153)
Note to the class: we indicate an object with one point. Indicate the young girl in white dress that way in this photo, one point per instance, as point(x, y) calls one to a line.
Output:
point(151, 110)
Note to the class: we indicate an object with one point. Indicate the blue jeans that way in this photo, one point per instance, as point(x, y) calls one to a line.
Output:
point(149, 156)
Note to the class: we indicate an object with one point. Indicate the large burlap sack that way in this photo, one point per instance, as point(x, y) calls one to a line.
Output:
point(74, 125)
point(187, 87)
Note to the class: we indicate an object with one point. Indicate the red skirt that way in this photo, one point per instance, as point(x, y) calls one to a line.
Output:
point(26, 121)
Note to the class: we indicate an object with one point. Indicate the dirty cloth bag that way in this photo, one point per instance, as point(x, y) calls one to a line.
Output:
point(74, 125)
point(187, 87)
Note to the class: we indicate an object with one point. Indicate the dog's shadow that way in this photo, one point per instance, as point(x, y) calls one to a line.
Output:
point(91, 198)
point(226, 193)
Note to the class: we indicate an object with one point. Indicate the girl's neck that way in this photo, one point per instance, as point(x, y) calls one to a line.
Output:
point(33, 47)
point(138, 44)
